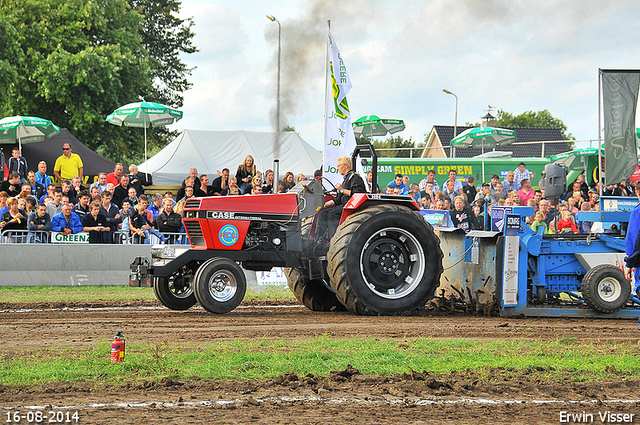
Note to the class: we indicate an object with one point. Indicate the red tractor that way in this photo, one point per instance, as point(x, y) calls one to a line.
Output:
point(384, 258)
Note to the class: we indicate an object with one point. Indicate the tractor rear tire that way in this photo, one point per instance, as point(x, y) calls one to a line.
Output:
point(384, 260)
point(605, 288)
point(312, 293)
point(175, 291)
point(219, 285)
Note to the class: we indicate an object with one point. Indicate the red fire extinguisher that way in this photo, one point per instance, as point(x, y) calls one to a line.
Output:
point(117, 348)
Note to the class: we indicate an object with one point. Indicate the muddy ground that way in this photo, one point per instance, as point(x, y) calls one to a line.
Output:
point(344, 396)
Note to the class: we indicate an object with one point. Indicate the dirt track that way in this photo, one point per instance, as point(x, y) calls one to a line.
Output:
point(344, 396)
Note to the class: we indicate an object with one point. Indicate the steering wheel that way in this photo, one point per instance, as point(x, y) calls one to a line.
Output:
point(333, 192)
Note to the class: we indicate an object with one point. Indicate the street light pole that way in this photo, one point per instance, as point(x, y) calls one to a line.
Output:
point(273, 19)
point(455, 123)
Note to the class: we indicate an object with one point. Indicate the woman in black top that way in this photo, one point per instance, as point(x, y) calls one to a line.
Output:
point(267, 185)
point(245, 173)
point(288, 181)
point(14, 218)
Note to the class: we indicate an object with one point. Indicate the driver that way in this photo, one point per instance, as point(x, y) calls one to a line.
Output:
point(330, 217)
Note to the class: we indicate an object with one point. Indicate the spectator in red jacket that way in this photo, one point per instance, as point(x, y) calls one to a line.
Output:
point(114, 178)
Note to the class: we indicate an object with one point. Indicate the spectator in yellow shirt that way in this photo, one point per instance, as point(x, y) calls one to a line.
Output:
point(68, 165)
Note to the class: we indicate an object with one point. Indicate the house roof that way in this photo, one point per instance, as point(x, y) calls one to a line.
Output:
point(523, 134)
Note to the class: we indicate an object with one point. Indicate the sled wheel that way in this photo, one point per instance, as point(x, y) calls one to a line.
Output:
point(541, 295)
point(175, 291)
point(313, 294)
point(384, 260)
point(219, 285)
point(605, 288)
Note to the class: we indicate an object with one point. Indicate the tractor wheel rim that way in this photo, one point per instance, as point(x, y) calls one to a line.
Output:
point(178, 288)
point(609, 289)
point(223, 286)
point(392, 263)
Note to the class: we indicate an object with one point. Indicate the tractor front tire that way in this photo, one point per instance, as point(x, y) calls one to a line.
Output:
point(175, 291)
point(605, 288)
point(312, 293)
point(219, 285)
point(384, 260)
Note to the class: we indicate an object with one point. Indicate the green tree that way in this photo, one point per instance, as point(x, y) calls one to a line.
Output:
point(532, 119)
point(11, 58)
point(397, 143)
point(83, 59)
point(165, 37)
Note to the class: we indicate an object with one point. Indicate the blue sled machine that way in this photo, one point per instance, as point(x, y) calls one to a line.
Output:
point(520, 273)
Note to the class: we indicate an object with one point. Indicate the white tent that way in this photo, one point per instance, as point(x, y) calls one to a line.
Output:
point(209, 151)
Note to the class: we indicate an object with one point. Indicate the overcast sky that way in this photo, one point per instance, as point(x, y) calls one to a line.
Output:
point(514, 55)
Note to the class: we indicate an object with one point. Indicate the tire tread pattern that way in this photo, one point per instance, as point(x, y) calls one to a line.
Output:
point(339, 249)
point(313, 294)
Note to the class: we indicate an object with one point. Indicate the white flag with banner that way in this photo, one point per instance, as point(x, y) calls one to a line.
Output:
point(620, 98)
point(339, 137)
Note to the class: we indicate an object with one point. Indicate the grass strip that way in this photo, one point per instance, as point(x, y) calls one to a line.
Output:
point(560, 359)
point(94, 293)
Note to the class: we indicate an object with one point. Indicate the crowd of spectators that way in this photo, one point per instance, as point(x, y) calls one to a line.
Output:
point(468, 203)
point(114, 208)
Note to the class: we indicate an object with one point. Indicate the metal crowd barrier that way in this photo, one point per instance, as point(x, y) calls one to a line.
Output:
point(24, 236)
point(120, 237)
point(172, 238)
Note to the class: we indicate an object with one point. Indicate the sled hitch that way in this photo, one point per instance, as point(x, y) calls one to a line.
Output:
point(141, 271)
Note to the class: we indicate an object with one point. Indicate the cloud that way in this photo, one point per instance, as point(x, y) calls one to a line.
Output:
point(219, 32)
point(517, 55)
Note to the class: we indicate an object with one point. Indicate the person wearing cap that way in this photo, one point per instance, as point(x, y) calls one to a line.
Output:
point(486, 196)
